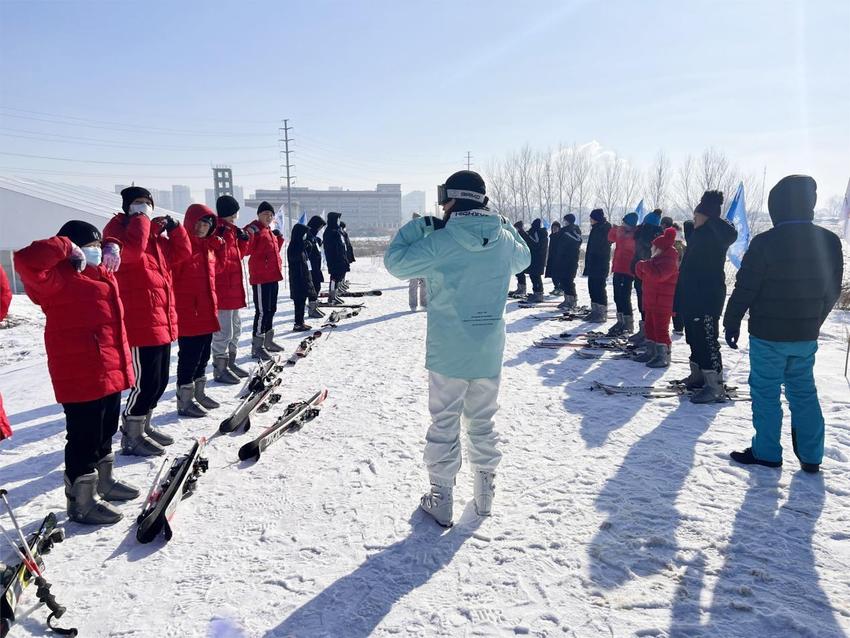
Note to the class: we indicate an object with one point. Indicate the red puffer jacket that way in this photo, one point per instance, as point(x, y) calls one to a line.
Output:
point(229, 282)
point(144, 277)
point(264, 264)
point(87, 352)
point(5, 300)
point(624, 250)
point(660, 274)
point(194, 280)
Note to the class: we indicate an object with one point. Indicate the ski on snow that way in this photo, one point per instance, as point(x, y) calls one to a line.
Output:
point(293, 419)
point(337, 315)
point(357, 293)
point(733, 393)
point(328, 304)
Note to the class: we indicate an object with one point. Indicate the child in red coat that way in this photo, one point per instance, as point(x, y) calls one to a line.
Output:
point(659, 275)
point(5, 300)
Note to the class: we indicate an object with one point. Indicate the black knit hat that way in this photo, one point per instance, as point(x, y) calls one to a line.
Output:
point(131, 193)
point(316, 223)
point(597, 214)
point(80, 232)
point(710, 204)
point(226, 206)
point(570, 218)
point(468, 182)
point(265, 207)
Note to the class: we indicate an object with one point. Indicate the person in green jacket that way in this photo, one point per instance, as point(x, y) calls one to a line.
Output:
point(467, 260)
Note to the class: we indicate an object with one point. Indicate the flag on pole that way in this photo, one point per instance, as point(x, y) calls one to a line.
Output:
point(303, 218)
point(845, 213)
point(737, 214)
point(640, 209)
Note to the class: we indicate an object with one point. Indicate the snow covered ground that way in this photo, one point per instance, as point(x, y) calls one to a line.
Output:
point(615, 516)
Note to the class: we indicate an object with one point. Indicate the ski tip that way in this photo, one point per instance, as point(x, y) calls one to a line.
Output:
point(226, 426)
point(249, 451)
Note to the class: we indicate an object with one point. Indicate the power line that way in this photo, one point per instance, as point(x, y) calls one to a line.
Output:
point(468, 161)
point(286, 140)
point(94, 141)
point(80, 161)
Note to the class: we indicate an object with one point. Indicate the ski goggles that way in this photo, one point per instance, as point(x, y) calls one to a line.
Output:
point(445, 194)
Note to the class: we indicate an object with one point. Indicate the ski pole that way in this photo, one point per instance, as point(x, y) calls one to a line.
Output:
point(18, 528)
point(30, 565)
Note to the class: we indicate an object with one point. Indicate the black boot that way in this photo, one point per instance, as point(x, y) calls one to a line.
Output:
point(746, 458)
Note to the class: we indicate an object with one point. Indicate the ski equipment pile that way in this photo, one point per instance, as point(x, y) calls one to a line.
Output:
point(258, 394)
point(292, 419)
point(733, 393)
point(356, 293)
point(337, 315)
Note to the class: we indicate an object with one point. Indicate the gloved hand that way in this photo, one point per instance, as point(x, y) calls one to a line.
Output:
point(111, 256)
point(241, 235)
point(732, 335)
point(77, 258)
point(221, 231)
point(277, 233)
point(166, 222)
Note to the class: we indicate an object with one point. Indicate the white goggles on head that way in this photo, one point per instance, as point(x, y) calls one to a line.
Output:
point(445, 194)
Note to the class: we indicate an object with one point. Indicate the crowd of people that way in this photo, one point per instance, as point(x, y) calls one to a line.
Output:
point(116, 300)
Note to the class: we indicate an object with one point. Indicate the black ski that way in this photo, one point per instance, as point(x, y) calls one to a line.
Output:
point(169, 488)
point(328, 304)
point(337, 315)
point(357, 293)
point(293, 418)
point(661, 392)
point(304, 348)
point(258, 394)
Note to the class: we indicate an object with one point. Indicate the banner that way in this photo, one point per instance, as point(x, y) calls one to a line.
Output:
point(640, 209)
point(737, 214)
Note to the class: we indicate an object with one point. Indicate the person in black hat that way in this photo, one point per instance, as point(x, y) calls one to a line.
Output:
point(790, 279)
point(314, 251)
point(569, 249)
point(336, 255)
point(597, 265)
point(520, 292)
point(538, 243)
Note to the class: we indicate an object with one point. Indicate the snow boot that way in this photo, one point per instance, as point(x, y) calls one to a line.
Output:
point(155, 434)
point(438, 504)
point(301, 327)
point(221, 371)
point(617, 329)
point(313, 310)
point(713, 390)
point(134, 440)
point(648, 354)
point(747, 458)
point(628, 325)
point(569, 302)
point(258, 348)
point(231, 364)
point(519, 292)
point(639, 337)
point(557, 292)
point(661, 358)
point(85, 506)
point(809, 468)
point(484, 489)
point(694, 380)
point(271, 346)
point(598, 313)
point(108, 487)
point(535, 297)
point(186, 405)
point(201, 395)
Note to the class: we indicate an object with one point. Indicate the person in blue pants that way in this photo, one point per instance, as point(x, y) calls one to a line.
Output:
point(790, 278)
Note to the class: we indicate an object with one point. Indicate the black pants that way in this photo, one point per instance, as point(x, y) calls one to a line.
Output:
point(520, 280)
point(568, 285)
point(536, 283)
point(265, 305)
point(639, 291)
point(317, 280)
point(192, 358)
point(89, 428)
point(701, 335)
point(596, 288)
point(623, 293)
point(678, 323)
point(150, 365)
point(300, 303)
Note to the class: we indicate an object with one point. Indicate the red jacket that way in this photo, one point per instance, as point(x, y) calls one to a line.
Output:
point(5, 300)
point(624, 250)
point(264, 263)
point(144, 277)
point(194, 280)
point(229, 281)
point(86, 342)
point(659, 275)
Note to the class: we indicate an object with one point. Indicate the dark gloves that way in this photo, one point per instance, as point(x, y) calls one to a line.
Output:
point(277, 233)
point(241, 235)
point(732, 335)
point(167, 222)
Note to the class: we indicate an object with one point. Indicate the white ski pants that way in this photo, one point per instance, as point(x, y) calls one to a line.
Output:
point(449, 400)
point(414, 287)
point(228, 336)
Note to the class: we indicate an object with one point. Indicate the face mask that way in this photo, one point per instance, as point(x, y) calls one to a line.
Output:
point(140, 209)
point(93, 255)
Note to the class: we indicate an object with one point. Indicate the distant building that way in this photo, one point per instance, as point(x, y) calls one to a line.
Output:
point(379, 209)
point(209, 197)
point(413, 202)
point(222, 180)
point(162, 199)
point(181, 197)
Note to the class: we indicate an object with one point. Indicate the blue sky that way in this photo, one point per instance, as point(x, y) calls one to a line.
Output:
point(399, 91)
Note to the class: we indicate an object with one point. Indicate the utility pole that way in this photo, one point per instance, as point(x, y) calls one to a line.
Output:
point(284, 130)
point(468, 161)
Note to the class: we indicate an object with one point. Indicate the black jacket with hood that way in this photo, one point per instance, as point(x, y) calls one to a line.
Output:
point(314, 248)
point(300, 279)
point(701, 289)
point(569, 251)
point(597, 256)
point(335, 248)
point(537, 239)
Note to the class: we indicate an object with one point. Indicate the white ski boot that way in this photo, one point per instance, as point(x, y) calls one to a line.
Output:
point(438, 504)
point(484, 491)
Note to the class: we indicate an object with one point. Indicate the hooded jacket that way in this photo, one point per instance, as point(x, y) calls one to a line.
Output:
point(145, 276)
point(335, 251)
point(314, 248)
point(265, 265)
point(467, 266)
point(229, 278)
point(569, 251)
point(659, 275)
point(300, 279)
point(597, 256)
point(554, 256)
point(623, 238)
point(194, 279)
point(538, 244)
point(701, 289)
point(84, 335)
point(790, 277)
point(349, 249)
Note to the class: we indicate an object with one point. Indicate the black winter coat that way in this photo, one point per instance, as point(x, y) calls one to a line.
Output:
point(701, 290)
point(349, 251)
point(597, 255)
point(552, 260)
point(538, 243)
point(335, 253)
point(300, 279)
point(790, 279)
point(569, 249)
point(644, 236)
point(314, 254)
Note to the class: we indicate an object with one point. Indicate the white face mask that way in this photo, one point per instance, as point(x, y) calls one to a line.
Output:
point(140, 209)
point(93, 255)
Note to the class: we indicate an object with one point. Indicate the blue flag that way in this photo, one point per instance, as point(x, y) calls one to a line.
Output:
point(738, 216)
point(641, 211)
point(303, 218)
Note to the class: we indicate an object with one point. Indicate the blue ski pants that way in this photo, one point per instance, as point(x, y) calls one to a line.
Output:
point(772, 364)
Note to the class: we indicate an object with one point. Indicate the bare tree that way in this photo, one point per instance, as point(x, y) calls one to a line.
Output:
point(563, 170)
point(497, 186)
point(658, 181)
point(632, 183)
point(608, 178)
point(525, 179)
point(688, 190)
point(581, 179)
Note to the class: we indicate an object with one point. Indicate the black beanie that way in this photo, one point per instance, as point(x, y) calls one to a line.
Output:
point(570, 218)
point(226, 206)
point(598, 215)
point(132, 193)
point(793, 199)
point(79, 232)
point(467, 181)
point(710, 204)
point(263, 207)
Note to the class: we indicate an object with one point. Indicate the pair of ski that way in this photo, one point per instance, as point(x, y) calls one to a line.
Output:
point(672, 389)
point(356, 293)
point(177, 482)
point(338, 315)
point(601, 342)
point(578, 314)
point(14, 579)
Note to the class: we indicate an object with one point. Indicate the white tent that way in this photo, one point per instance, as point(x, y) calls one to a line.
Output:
point(33, 209)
